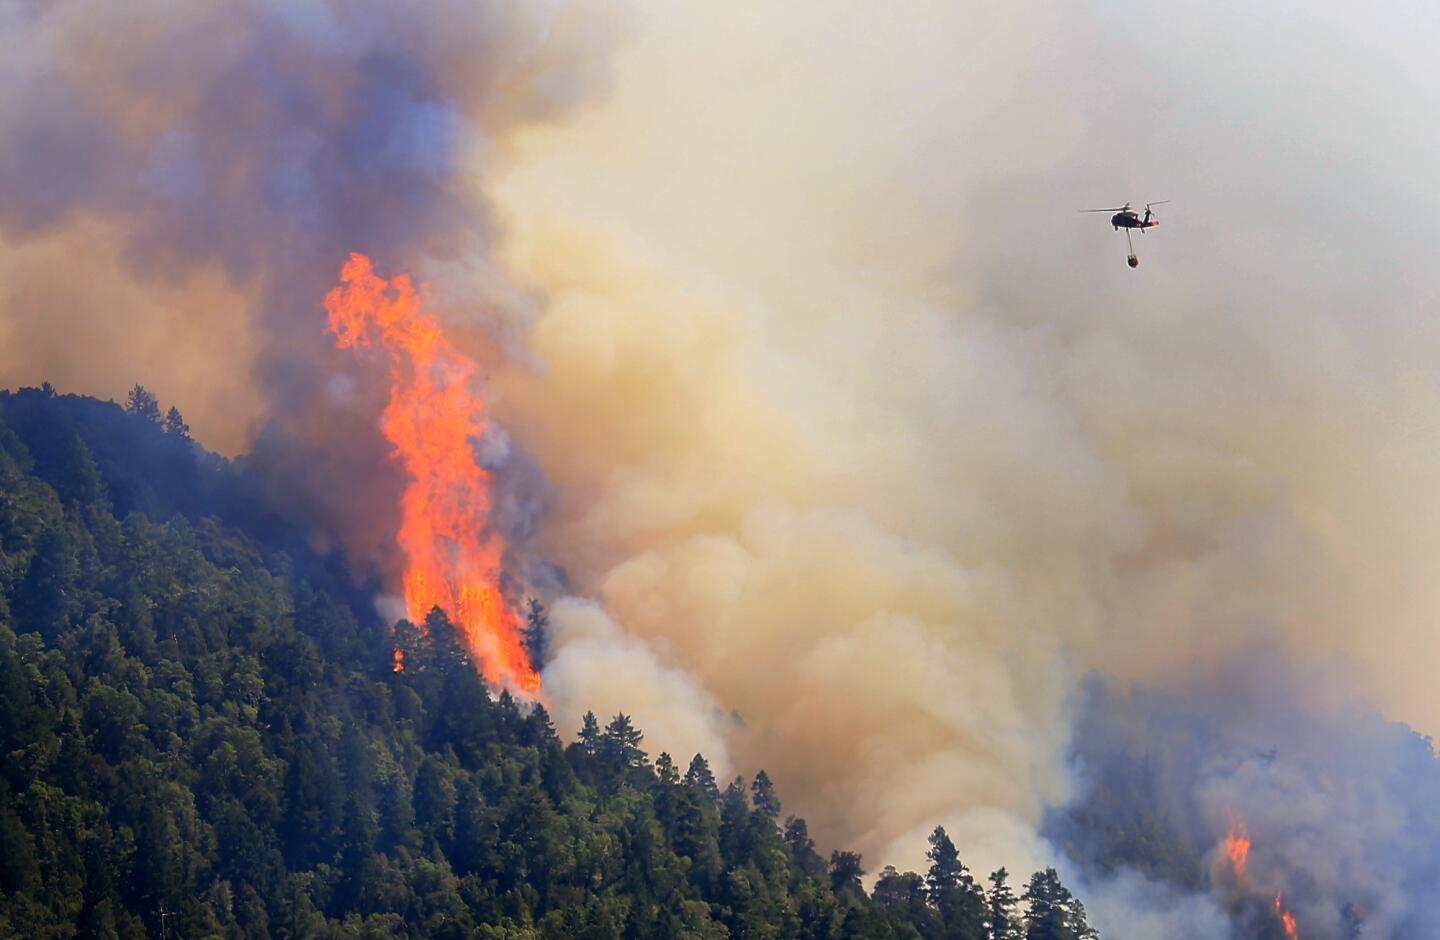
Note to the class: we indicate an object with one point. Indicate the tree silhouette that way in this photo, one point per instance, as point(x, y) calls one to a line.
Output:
point(174, 424)
point(143, 404)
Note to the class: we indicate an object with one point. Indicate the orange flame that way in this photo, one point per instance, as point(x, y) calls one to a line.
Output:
point(1286, 920)
point(453, 558)
point(1237, 847)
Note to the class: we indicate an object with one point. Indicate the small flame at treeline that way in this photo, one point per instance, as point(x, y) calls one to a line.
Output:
point(1237, 850)
point(452, 556)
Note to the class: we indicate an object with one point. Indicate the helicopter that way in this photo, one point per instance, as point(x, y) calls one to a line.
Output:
point(1127, 218)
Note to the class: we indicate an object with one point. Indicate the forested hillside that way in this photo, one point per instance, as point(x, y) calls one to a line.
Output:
point(202, 735)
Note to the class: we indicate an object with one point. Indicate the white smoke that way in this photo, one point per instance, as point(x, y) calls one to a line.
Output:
point(600, 668)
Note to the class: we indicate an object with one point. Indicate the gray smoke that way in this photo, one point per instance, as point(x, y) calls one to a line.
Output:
point(1342, 807)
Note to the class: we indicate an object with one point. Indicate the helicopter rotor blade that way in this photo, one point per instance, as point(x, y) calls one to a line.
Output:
point(1158, 202)
point(1121, 209)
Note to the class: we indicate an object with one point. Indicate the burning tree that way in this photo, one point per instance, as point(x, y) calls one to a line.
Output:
point(452, 554)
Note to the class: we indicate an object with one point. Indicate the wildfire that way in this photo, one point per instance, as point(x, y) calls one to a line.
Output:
point(1286, 919)
point(452, 556)
point(1237, 847)
point(1237, 850)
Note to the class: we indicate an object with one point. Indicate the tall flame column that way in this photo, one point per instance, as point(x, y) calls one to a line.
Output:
point(452, 556)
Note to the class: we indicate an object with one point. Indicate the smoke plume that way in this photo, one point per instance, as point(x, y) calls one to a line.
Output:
point(860, 446)
point(854, 417)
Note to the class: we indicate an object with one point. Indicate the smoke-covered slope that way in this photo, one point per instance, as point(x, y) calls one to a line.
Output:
point(202, 733)
point(1337, 808)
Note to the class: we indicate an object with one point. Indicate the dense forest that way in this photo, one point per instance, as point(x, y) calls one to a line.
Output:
point(202, 735)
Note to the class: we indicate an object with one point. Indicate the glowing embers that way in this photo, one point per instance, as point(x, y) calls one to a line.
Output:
point(452, 555)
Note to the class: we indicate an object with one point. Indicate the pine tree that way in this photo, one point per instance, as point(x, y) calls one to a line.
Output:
point(958, 899)
point(407, 639)
point(1005, 921)
point(1053, 912)
point(589, 735)
point(699, 777)
point(620, 744)
point(535, 636)
point(735, 823)
point(845, 873)
point(76, 477)
point(618, 752)
point(946, 870)
point(802, 847)
point(508, 711)
point(1077, 923)
point(1043, 919)
point(441, 647)
point(174, 424)
point(763, 798)
point(143, 404)
point(665, 769)
point(902, 896)
point(538, 729)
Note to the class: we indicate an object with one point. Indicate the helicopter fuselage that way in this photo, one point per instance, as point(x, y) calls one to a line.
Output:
point(1132, 220)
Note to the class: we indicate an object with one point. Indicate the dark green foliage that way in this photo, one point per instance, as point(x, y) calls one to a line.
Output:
point(619, 749)
point(1005, 920)
point(763, 798)
point(535, 634)
point(665, 770)
point(199, 717)
point(1054, 913)
point(959, 901)
point(903, 898)
point(700, 778)
point(590, 735)
point(845, 872)
point(802, 847)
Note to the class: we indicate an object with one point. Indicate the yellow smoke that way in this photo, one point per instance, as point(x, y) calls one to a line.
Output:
point(841, 433)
